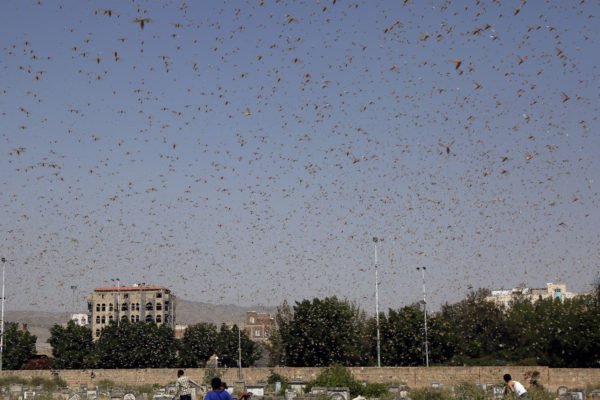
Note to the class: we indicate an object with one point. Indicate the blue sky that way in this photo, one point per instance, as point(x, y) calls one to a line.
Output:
point(247, 152)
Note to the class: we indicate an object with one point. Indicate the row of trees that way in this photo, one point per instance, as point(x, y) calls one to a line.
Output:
point(148, 345)
point(132, 345)
point(323, 332)
point(470, 332)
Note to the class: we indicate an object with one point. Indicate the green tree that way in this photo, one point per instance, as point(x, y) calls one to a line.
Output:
point(565, 334)
point(226, 347)
point(401, 337)
point(482, 327)
point(197, 345)
point(18, 347)
point(71, 345)
point(135, 345)
point(276, 346)
point(324, 332)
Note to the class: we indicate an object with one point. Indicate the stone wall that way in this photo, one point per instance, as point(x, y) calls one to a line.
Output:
point(550, 378)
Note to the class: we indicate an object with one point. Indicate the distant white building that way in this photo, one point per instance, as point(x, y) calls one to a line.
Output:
point(508, 297)
point(80, 319)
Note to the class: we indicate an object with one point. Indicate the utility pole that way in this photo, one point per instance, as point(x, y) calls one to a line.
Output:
point(73, 288)
point(422, 269)
point(240, 353)
point(375, 240)
point(2, 316)
point(118, 300)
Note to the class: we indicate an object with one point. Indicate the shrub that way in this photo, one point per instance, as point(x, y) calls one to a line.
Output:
point(275, 377)
point(105, 384)
point(379, 390)
point(337, 376)
point(431, 394)
point(470, 392)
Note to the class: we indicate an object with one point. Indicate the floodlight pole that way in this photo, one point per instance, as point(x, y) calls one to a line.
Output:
point(240, 353)
point(2, 315)
point(118, 300)
point(375, 240)
point(425, 316)
point(73, 288)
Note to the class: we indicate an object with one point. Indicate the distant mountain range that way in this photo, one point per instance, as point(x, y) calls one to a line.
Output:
point(188, 312)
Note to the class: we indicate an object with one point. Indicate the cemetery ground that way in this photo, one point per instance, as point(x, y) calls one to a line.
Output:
point(332, 384)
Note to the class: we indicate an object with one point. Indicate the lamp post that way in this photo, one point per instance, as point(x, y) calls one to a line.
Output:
point(422, 269)
point(118, 300)
point(375, 240)
point(2, 314)
point(73, 288)
point(240, 353)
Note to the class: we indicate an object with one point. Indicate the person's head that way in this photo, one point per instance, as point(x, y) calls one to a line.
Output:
point(507, 378)
point(215, 383)
point(180, 373)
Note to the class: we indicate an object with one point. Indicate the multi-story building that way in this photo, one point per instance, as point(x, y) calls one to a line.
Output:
point(134, 303)
point(510, 296)
point(259, 325)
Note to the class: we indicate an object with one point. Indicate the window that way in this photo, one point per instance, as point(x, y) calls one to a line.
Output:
point(158, 319)
point(124, 318)
point(103, 319)
point(97, 319)
point(158, 306)
point(124, 307)
point(98, 307)
point(126, 296)
point(110, 307)
point(103, 307)
point(110, 318)
point(97, 332)
point(148, 318)
point(251, 320)
point(137, 306)
point(257, 333)
point(132, 318)
point(166, 319)
point(137, 318)
point(149, 306)
point(167, 305)
point(159, 295)
point(90, 306)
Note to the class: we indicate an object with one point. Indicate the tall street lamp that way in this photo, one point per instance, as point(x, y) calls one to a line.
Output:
point(375, 240)
point(422, 269)
point(118, 300)
point(73, 288)
point(2, 314)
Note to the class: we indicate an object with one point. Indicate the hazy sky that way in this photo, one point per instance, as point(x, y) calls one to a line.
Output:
point(248, 151)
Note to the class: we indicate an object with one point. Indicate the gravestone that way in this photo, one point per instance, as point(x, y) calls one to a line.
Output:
point(562, 390)
point(290, 394)
point(15, 388)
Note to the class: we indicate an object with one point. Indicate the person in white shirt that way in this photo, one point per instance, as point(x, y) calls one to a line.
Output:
point(515, 387)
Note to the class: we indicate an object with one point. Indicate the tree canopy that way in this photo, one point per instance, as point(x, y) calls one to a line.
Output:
point(473, 331)
point(324, 332)
point(71, 346)
point(18, 347)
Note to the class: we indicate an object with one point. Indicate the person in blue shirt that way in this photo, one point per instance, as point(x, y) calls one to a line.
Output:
point(219, 393)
